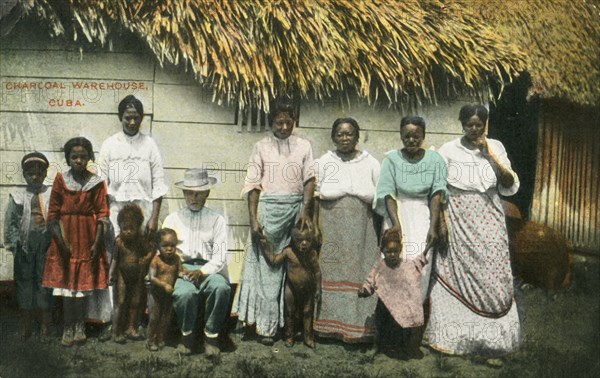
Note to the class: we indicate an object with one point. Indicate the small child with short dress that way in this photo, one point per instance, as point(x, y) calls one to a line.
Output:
point(25, 235)
point(77, 262)
point(164, 269)
point(399, 310)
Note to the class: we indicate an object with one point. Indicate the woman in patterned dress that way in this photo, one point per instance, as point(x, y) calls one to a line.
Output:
point(472, 297)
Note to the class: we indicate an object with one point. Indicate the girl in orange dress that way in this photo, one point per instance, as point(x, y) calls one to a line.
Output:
point(77, 262)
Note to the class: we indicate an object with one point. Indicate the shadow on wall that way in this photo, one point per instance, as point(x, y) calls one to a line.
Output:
point(514, 121)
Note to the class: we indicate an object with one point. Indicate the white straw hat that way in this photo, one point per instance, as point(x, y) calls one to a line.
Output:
point(197, 179)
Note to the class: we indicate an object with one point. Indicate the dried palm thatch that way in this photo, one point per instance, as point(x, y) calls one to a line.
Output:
point(560, 38)
point(254, 50)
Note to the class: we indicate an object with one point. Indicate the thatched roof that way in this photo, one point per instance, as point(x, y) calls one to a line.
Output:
point(254, 50)
point(560, 39)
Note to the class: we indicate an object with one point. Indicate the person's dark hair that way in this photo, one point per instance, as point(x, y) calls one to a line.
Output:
point(298, 231)
point(33, 157)
point(413, 120)
point(131, 212)
point(468, 111)
point(128, 102)
point(78, 142)
point(389, 236)
point(165, 231)
point(284, 107)
point(348, 120)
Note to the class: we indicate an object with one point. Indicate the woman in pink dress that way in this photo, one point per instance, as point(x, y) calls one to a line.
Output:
point(279, 186)
point(77, 262)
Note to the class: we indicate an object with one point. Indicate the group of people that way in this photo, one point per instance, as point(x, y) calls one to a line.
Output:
point(424, 231)
point(91, 230)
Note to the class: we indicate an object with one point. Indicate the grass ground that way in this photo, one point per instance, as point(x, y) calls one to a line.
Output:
point(562, 333)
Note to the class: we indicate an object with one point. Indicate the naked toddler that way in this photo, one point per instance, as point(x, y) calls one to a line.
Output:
point(164, 269)
point(133, 253)
point(303, 281)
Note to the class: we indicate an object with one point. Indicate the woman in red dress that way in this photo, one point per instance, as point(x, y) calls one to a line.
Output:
point(77, 262)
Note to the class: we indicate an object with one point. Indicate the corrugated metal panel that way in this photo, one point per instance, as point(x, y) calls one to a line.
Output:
point(566, 189)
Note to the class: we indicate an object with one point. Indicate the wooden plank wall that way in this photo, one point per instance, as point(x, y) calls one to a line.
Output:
point(190, 129)
point(567, 183)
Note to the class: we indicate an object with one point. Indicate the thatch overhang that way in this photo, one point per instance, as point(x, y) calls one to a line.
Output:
point(561, 41)
point(249, 51)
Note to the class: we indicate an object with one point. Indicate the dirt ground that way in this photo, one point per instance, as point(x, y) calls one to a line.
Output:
point(562, 333)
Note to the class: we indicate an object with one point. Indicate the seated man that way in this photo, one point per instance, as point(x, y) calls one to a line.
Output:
point(203, 236)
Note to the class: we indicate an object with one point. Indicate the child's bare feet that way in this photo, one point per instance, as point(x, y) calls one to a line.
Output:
point(226, 342)
point(152, 347)
point(372, 352)
point(250, 333)
point(289, 342)
point(309, 343)
point(132, 334)
point(119, 339)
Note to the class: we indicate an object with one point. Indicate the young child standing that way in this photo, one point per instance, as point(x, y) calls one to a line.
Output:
point(131, 258)
point(26, 237)
point(399, 310)
point(77, 261)
point(164, 269)
point(302, 283)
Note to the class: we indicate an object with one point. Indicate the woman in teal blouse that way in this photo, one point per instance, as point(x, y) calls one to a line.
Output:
point(411, 188)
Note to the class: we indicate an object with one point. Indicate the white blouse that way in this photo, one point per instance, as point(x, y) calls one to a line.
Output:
point(469, 170)
point(357, 177)
point(132, 167)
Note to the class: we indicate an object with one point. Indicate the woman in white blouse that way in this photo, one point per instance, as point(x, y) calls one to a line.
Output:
point(346, 182)
point(472, 298)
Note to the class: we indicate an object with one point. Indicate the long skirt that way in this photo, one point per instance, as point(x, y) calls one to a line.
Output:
point(348, 253)
point(473, 308)
point(262, 288)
